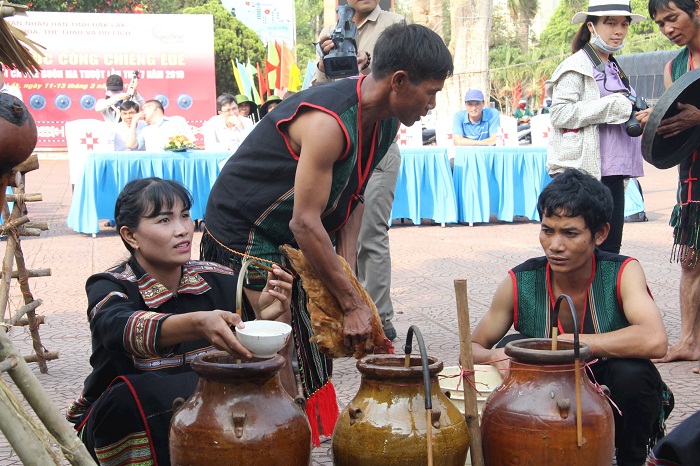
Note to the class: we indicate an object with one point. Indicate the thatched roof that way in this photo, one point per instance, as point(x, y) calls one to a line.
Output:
point(14, 44)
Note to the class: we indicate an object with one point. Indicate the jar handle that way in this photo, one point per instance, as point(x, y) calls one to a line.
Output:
point(354, 412)
point(238, 423)
point(239, 287)
point(554, 318)
point(426, 383)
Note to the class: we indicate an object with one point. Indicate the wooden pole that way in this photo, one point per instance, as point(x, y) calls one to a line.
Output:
point(20, 433)
point(46, 356)
point(471, 411)
point(579, 421)
point(40, 401)
point(23, 280)
point(429, 434)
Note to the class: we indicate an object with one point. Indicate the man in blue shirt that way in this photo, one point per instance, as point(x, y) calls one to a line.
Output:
point(475, 126)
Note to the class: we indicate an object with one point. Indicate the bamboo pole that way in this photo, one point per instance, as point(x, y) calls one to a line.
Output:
point(40, 401)
point(471, 411)
point(23, 280)
point(24, 322)
point(34, 273)
point(20, 433)
point(26, 309)
point(429, 434)
point(579, 421)
point(7, 273)
point(46, 355)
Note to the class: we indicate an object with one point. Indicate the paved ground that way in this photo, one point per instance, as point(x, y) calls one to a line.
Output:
point(426, 260)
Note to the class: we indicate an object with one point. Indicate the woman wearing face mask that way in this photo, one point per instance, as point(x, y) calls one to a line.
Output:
point(590, 104)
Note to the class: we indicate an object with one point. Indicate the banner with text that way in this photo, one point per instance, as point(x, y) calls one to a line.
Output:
point(174, 55)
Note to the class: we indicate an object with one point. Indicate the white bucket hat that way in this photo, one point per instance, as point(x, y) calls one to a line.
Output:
point(607, 8)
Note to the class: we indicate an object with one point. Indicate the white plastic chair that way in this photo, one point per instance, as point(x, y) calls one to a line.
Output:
point(82, 137)
point(410, 136)
point(509, 125)
point(540, 127)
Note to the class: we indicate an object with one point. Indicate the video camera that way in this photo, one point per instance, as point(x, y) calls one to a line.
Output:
point(341, 61)
point(632, 127)
point(130, 89)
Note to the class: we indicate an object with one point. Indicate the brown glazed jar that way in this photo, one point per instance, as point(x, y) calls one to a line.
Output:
point(531, 417)
point(385, 423)
point(239, 414)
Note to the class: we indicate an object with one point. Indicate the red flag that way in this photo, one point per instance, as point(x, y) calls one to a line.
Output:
point(262, 84)
point(517, 94)
point(272, 65)
point(543, 79)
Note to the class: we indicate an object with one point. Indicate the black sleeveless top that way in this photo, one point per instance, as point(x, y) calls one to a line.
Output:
point(251, 203)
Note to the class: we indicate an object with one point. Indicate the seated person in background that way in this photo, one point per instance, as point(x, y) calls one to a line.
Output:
point(617, 316)
point(159, 130)
point(545, 107)
point(247, 107)
point(270, 103)
point(475, 126)
point(114, 96)
point(127, 110)
point(227, 130)
point(149, 317)
point(522, 113)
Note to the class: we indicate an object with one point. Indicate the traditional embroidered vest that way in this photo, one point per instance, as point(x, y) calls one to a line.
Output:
point(685, 217)
point(534, 300)
point(251, 203)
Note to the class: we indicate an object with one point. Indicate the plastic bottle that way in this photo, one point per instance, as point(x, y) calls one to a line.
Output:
point(499, 137)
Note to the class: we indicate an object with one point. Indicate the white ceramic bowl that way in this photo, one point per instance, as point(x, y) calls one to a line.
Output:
point(264, 338)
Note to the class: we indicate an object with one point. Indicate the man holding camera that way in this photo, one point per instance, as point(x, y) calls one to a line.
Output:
point(373, 266)
point(114, 96)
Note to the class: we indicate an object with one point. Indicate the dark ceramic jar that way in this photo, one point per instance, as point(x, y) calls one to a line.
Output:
point(385, 424)
point(531, 417)
point(239, 414)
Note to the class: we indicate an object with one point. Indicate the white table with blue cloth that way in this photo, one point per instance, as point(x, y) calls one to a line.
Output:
point(106, 173)
point(501, 181)
point(424, 186)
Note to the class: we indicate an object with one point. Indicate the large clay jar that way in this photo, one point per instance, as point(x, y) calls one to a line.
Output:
point(239, 414)
point(531, 418)
point(17, 132)
point(385, 424)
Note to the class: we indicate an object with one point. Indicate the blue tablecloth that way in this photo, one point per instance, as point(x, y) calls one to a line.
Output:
point(424, 186)
point(105, 175)
point(505, 181)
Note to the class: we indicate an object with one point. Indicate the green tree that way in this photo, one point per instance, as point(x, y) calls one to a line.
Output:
point(232, 39)
point(642, 37)
point(523, 11)
point(309, 22)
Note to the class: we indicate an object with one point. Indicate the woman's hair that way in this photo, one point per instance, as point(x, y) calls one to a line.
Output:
point(689, 6)
point(583, 36)
point(146, 198)
point(574, 193)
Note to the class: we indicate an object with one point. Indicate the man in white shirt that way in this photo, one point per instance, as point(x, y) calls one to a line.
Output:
point(159, 130)
point(127, 111)
point(6, 88)
point(114, 96)
point(226, 130)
